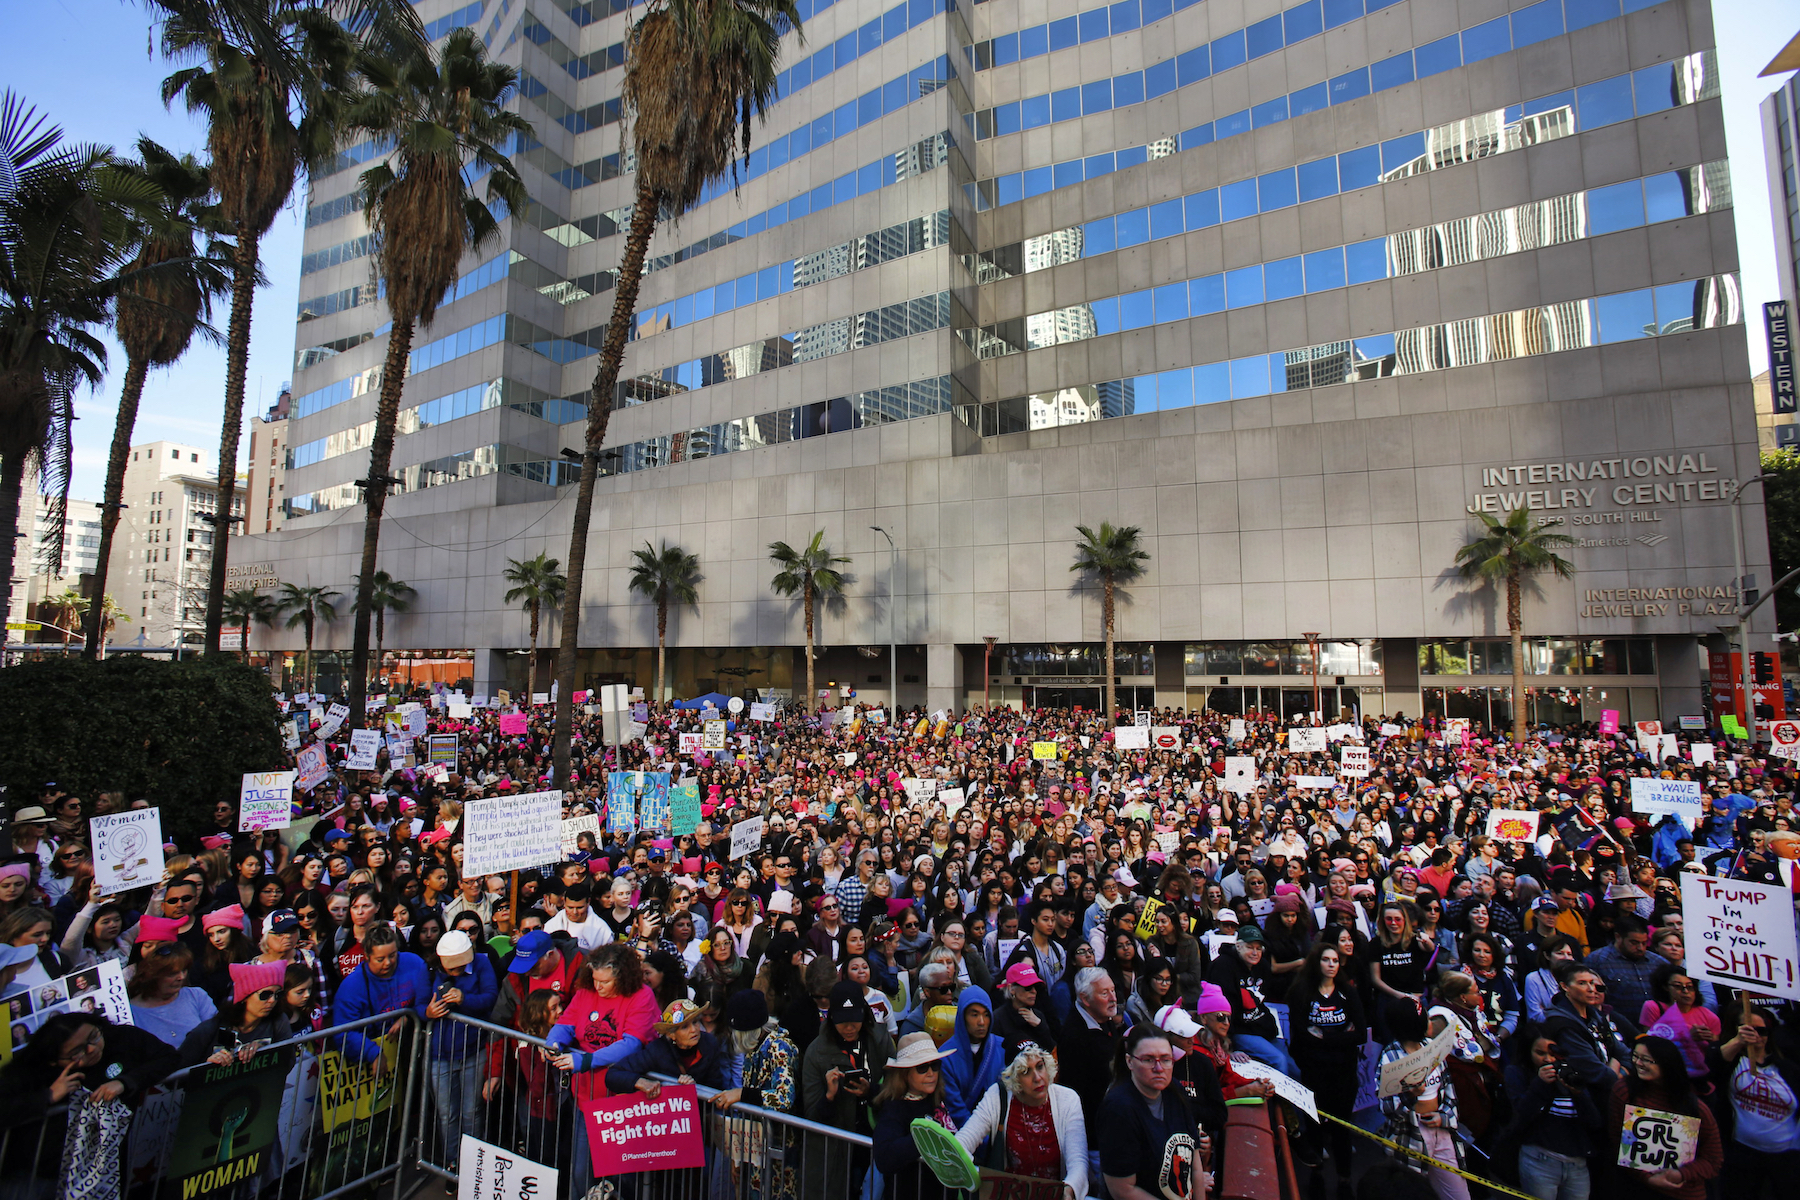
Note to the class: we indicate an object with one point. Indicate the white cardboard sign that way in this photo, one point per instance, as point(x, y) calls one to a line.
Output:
point(1240, 773)
point(489, 1172)
point(1744, 933)
point(1353, 762)
point(128, 850)
point(1307, 741)
point(1658, 796)
point(512, 833)
point(746, 836)
point(266, 800)
point(1131, 737)
point(364, 745)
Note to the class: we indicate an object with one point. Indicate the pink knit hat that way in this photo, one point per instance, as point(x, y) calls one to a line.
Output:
point(158, 929)
point(1212, 1000)
point(231, 918)
point(250, 978)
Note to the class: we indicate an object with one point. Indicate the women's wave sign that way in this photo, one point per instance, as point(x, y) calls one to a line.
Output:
point(1657, 796)
point(633, 1133)
point(1745, 934)
point(266, 800)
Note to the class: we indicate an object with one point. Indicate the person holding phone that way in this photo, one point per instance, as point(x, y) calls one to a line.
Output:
point(462, 983)
point(836, 1083)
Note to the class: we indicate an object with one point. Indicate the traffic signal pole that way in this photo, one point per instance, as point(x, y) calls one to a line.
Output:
point(1743, 630)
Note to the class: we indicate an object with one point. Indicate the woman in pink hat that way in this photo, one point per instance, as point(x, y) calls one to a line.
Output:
point(251, 1021)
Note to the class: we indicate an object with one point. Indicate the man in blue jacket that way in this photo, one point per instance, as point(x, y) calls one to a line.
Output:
point(386, 981)
point(464, 983)
point(979, 1058)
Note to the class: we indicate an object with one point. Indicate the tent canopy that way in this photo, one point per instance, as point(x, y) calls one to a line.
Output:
point(713, 698)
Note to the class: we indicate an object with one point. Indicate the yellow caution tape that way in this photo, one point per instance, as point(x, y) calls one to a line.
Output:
point(1426, 1158)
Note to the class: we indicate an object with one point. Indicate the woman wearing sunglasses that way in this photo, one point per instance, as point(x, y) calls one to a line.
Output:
point(253, 1019)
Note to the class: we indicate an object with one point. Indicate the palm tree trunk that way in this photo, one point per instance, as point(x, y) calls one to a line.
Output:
point(381, 453)
point(12, 483)
point(380, 636)
point(231, 428)
point(135, 371)
point(812, 701)
point(1515, 623)
point(243, 641)
point(312, 681)
point(662, 638)
point(1106, 619)
point(612, 354)
point(531, 667)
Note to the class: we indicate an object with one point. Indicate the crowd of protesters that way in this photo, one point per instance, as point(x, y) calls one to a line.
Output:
point(1068, 954)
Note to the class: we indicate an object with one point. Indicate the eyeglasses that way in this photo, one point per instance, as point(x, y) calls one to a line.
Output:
point(1156, 1062)
point(265, 995)
point(825, 908)
point(782, 866)
point(72, 855)
point(88, 1043)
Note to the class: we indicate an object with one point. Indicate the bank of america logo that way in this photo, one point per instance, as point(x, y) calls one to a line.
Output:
point(1653, 540)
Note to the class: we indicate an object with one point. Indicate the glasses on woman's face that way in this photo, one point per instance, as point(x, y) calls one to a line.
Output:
point(71, 855)
point(1156, 1062)
point(267, 995)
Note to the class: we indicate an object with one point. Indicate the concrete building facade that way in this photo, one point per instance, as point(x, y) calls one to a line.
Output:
point(1298, 289)
point(162, 550)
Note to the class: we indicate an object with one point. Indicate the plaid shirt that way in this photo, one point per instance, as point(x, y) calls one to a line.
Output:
point(851, 891)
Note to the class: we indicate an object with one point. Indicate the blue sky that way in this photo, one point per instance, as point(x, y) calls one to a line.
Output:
point(87, 64)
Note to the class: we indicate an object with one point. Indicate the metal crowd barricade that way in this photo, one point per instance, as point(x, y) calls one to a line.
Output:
point(340, 1124)
point(751, 1153)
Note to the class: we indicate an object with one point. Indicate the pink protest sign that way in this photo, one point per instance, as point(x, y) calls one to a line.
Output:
point(512, 723)
point(1609, 720)
point(632, 1133)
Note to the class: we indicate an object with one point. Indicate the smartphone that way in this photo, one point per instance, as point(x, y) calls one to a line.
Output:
point(858, 1074)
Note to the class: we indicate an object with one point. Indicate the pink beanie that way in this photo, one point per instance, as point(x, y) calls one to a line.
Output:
point(158, 929)
point(250, 978)
point(231, 918)
point(1212, 1000)
point(19, 869)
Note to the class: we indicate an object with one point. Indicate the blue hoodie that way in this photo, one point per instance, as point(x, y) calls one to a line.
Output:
point(363, 995)
point(453, 1039)
point(966, 1075)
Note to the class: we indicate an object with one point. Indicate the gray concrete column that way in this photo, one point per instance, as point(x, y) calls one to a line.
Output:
point(943, 677)
point(489, 672)
point(1680, 673)
point(1171, 675)
point(1400, 677)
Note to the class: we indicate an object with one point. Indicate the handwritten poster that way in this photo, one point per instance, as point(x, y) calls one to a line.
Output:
point(266, 800)
point(1131, 737)
point(684, 806)
point(512, 833)
point(1657, 796)
point(746, 836)
point(365, 744)
point(1510, 825)
point(128, 850)
point(1744, 932)
point(1652, 1140)
point(573, 828)
point(489, 1172)
point(1307, 741)
point(313, 767)
point(1240, 773)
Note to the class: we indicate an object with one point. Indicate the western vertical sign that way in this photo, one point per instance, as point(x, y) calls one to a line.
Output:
point(1745, 934)
point(1781, 355)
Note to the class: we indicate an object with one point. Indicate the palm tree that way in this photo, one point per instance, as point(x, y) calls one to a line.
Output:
point(1115, 556)
point(663, 576)
point(67, 607)
point(446, 122)
point(813, 573)
point(306, 607)
point(166, 290)
point(697, 73)
point(270, 82)
point(1506, 551)
point(244, 605)
point(539, 585)
point(63, 235)
point(387, 595)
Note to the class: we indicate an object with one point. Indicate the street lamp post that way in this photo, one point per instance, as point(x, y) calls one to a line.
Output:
point(1743, 632)
point(987, 656)
point(1312, 642)
point(893, 602)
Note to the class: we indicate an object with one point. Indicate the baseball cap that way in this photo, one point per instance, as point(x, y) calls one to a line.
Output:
point(1250, 933)
point(283, 920)
point(1023, 974)
point(528, 950)
point(1174, 1019)
point(847, 1003)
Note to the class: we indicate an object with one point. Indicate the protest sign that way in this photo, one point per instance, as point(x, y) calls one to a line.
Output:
point(1745, 933)
point(1140, 719)
point(442, 749)
point(1285, 1086)
point(1168, 841)
point(1353, 762)
point(633, 1133)
point(1784, 740)
point(1146, 925)
point(1609, 720)
point(1240, 774)
point(128, 850)
point(1389, 729)
point(1512, 825)
point(919, 791)
point(417, 721)
point(489, 1172)
point(365, 744)
point(684, 806)
point(1043, 751)
point(512, 833)
point(953, 800)
point(290, 735)
point(1658, 796)
point(460, 712)
point(1652, 1140)
point(1239, 729)
point(653, 805)
point(1410, 1070)
point(621, 801)
point(266, 800)
point(227, 1129)
point(1306, 741)
point(357, 1110)
point(712, 736)
point(1131, 737)
point(1649, 728)
point(1456, 731)
point(573, 828)
point(1165, 737)
point(687, 743)
point(1701, 752)
point(334, 721)
point(1315, 781)
point(513, 725)
point(762, 712)
point(746, 836)
point(314, 767)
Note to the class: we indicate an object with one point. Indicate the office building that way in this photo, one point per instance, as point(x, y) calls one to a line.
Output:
point(1297, 288)
point(162, 549)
